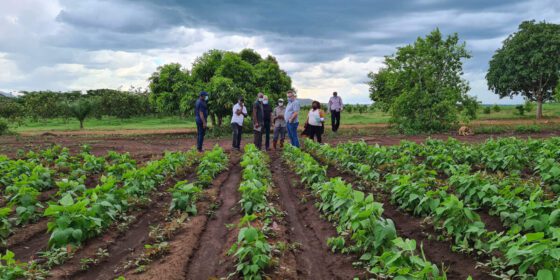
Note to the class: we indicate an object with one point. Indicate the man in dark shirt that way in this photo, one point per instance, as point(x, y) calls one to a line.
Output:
point(258, 120)
point(201, 115)
point(267, 111)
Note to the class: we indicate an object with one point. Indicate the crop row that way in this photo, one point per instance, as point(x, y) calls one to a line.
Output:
point(252, 248)
point(360, 225)
point(417, 189)
point(78, 216)
point(25, 180)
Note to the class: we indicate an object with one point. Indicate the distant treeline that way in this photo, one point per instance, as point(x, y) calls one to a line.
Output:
point(49, 104)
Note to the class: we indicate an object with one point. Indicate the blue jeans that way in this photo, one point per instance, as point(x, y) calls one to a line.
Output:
point(292, 133)
point(200, 131)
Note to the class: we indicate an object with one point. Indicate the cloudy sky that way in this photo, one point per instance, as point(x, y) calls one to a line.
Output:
point(324, 45)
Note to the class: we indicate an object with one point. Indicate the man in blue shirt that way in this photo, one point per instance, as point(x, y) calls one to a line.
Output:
point(291, 117)
point(201, 115)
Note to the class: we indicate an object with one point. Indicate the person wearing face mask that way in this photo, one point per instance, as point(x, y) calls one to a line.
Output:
point(267, 113)
point(201, 115)
point(315, 122)
point(279, 124)
point(291, 117)
point(239, 114)
point(258, 120)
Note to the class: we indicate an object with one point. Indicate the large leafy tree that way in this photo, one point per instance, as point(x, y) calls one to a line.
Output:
point(421, 85)
point(225, 75)
point(168, 85)
point(527, 64)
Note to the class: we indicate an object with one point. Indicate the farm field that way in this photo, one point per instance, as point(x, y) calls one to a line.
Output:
point(377, 207)
point(167, 124)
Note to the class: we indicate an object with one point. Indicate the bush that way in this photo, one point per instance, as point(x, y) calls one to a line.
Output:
point(520, 110)
point(4, 129)
point(528, 129)
point(487, 110)
point(490, 129)
point(529, 106)
point(496, 108)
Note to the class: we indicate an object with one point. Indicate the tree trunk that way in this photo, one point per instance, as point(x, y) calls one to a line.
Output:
point(81, 124)
point(213, 118)
point(220, 118)
point(539, 104)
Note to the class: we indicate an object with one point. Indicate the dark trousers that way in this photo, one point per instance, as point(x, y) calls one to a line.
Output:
point(200, 132)
point(237, 132)
point(257, 138)
point(315, 131)
point(266, 128)
point(335, 120)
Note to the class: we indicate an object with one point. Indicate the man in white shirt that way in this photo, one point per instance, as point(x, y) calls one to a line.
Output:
point(335, 106)
point(239, 114)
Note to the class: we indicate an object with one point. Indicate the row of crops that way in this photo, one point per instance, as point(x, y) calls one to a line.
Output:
point(448, 181)
point(76, 211)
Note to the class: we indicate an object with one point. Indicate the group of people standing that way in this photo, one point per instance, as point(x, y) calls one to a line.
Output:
point(282, 119)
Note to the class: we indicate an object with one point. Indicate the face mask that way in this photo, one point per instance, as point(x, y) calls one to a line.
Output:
point(260, 99)
point(265, 101)
point(281, 103)
point(206, 98)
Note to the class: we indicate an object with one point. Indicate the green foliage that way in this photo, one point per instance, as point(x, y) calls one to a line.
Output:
point(421, 85)
point(256, 178)
point(81, 109)
point(4, 129)
point(527, 63)
point(359, 218)
point(252, 251)
point(496, 108)
point(184, 197)
point(120, 104)
point(487, 110)
point(225, 75)
point(10, 268)
point(212, 163)
point(520, 110)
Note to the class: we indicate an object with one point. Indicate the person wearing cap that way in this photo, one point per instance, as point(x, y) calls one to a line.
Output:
point(267, 114)
point(258, 120)
point(201, 115)
point(279, 124)
point(239, 114)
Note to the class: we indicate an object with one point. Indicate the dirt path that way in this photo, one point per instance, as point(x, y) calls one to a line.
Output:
point(133, 240)
point(184, 242)
point(307, 228)
point(459, 266)
point(209, 253)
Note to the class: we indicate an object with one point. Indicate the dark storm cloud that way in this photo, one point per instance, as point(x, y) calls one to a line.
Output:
point(302, 33)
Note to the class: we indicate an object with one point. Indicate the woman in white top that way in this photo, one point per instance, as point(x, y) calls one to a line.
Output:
point(315, 121)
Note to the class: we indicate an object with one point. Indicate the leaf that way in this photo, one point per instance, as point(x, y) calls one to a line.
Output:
point(545, 274)
point(67, 200)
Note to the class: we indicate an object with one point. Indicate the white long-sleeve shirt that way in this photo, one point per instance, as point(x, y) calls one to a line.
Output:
point(335, 103)
point(238, 119)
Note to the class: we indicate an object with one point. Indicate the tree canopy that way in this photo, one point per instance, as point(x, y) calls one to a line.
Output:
point(527, 64)
point(421, 85)
point(224, 75)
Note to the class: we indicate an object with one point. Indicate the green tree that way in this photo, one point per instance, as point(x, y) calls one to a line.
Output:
point(250, 56)
point(528, 63)
point(421, 85)
point(168, 85)
point(81, 109)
